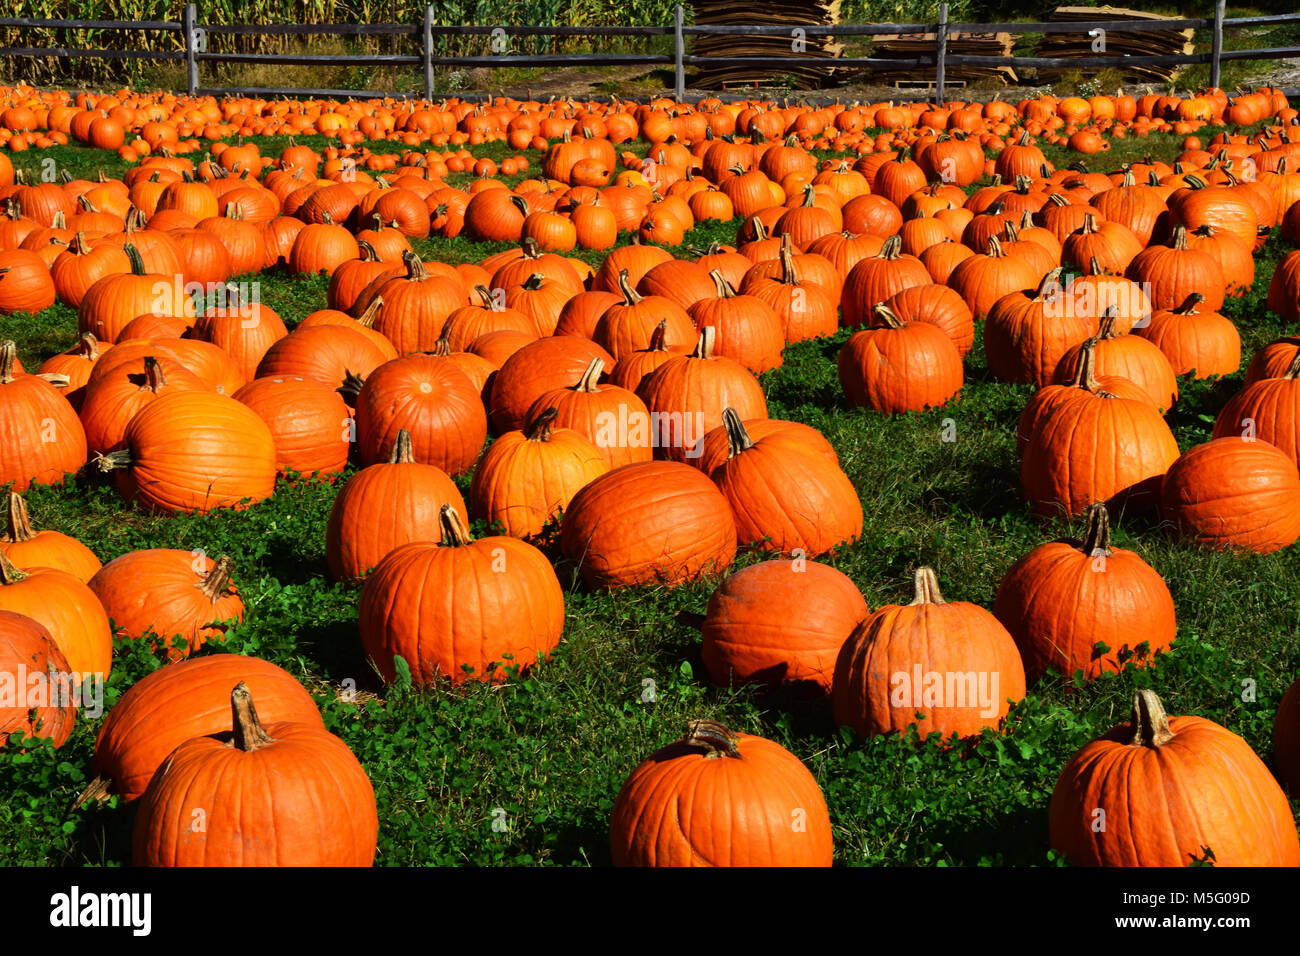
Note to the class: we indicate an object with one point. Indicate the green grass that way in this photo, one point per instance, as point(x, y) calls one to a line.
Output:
point(548, 753)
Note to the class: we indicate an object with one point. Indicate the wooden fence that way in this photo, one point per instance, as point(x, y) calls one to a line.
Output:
point(192, 45)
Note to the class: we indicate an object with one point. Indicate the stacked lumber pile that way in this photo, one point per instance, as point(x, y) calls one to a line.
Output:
point(1152, 42)
point(807, 66)
point(911, 46)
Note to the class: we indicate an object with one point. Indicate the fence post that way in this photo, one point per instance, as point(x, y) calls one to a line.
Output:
point(191, 63)
point(679, 71)
point(428, 52)
point(1216, 46)
point(941, 53)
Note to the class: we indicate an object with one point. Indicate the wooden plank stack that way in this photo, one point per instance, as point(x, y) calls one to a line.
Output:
point(1153, 42)
point(912, 46)
point(806, 66)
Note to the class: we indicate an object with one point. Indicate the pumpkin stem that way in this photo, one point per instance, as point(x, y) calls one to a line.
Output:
point(659, 337)
point(415, 270)
point(704, 347)
point(154, 380)
point(887, 316)
point(788, 274)
point(1293, 370)
point(539, 429)
point(454, 530)
point(8, 356)
point(20, 526)
point(367, 318)
point(1106, 328)
point(1085, 368)
point(591, 376)
point(531, 249)
point(136, 260)
point(1189, 304)
point(79, 245)
point(713, 738)
point(1051, 284)
point(1179, 238)
point(1150, 723)
point(368, 253)
point(1096, 539)
point(218, 578)
point(534, 281)
point(892, 249)
point(630, 295)
point(927, 587)
point(248, 731)
point(1089, 224)
point(760, 231)
point(402, 454)
point(9, 573)
point(738, 439)
point(725, 291)
point(112, 461)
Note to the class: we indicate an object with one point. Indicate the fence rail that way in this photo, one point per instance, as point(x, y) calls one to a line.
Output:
point(191, 38)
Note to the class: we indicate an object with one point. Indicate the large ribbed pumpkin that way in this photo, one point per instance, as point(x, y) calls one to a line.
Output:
point(461, 610)
point(1064, 598)
point(786, 496)
point(27, 548)
point(717, 798)
point(186, 699)
point(193, 451)
point(652, 522)
point(748, 636)
point(1234, 493)
point(953, 663)
point(1167, 789)
point(897, 367)
point(279, 794)
point(309, 421)
point(67, 608)
point(169, 593)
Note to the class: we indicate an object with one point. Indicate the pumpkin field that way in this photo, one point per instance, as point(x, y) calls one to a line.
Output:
point(601, 483)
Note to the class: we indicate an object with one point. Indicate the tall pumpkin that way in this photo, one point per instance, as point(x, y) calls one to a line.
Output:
point(44, 439)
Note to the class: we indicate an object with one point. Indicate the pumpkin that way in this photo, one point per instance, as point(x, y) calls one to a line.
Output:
point(939, 306)
point(984, 278)
point(535, 369)
point(1126, 356)
point(1026, 334)
point(330, 354)
point(76, 365)
point(1203, 344)
point(1266, 410)
point(874, 279)
point(67, 608)
point(1170, 788)
point(627, 324)
point(1064, 598)
point(613, 418)
point(747, 330)
point(1234, 493)
point(785, 495)
point(717, 798)
point(309, 423)
point(320, 247)
point(949, 667)
point(899, 367)
point(244, 330)
point(44, 439)
point(44, 549)
point(1171, 273)
point(189, 698)
point(115, 397)
point(26, 648)
point(462, 610)
point(117, 298)
point(314, 803)
point(649, 522)
point(431, 399)
point(527, 478)
point(1273, 360)
point(191, 451)
point(384, 506)
point(686, 396)
point(1094, 445)
point(747, 638)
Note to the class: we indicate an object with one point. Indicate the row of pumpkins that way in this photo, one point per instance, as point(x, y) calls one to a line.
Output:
point(662, 469)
